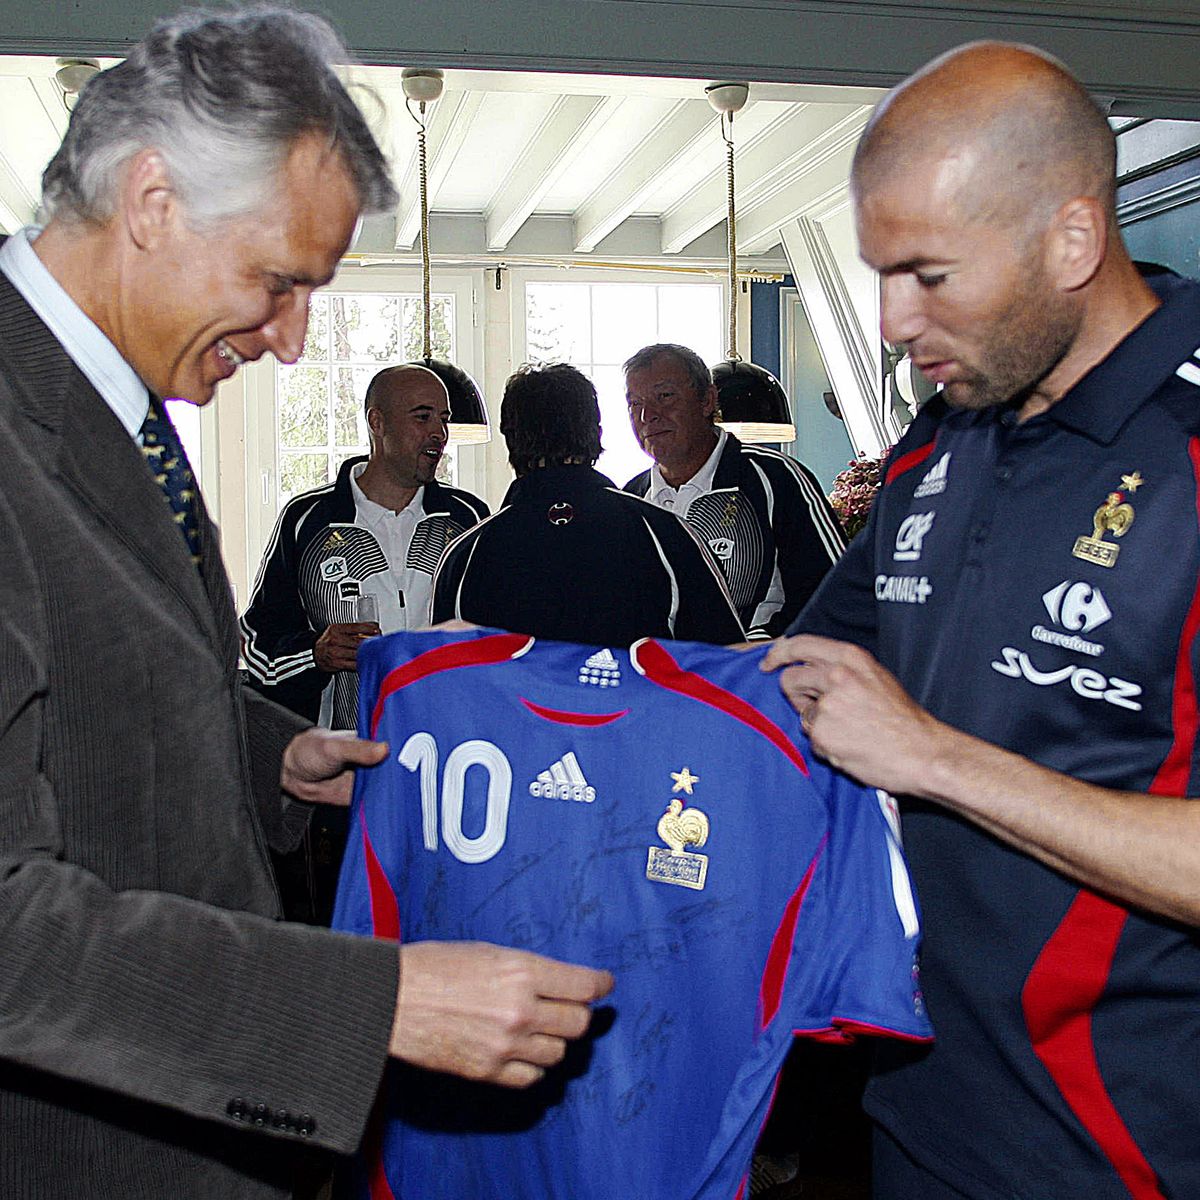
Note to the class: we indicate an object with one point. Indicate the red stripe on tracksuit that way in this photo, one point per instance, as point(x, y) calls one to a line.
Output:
point(1072, 971)
point(1058, 999)
point(1175, 773)
point(906, 462)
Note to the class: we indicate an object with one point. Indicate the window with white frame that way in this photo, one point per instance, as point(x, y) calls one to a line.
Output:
point(596, 326)
point(319, 418)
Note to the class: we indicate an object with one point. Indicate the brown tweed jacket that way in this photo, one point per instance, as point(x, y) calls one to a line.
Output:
point(162, 1034)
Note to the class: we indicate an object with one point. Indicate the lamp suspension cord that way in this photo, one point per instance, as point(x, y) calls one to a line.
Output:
point(731, 227)
point(423, 178)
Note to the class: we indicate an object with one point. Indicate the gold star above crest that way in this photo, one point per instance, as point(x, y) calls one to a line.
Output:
point(684, 780)
point(1131, 483)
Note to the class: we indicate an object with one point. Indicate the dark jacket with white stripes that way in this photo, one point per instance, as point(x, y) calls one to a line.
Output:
point(301, 589)
point(571, 557)
point(765, 516)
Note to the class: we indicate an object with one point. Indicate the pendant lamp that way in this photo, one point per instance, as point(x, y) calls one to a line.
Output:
point(468, 413)
point(753, 405)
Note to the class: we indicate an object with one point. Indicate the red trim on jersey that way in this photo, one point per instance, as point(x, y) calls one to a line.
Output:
point(841, 1031)
point(906, 462)
point(378, 1187)
point(590, 720)
point(1175, 773)
point(659, 667)
point(481, 652)
point(770, 991)
point(378, 1184)
point(385, 908)
point(1058, 999)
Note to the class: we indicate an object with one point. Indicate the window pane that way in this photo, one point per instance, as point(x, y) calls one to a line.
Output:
point(597, 326)
point(624, 319)
point(558, 323)
point(441, 327)
point(303, 406)
point(316, 341)
point(349, 421)
point(690, 314)
point(300, 472)
point(366, 327)
point(622, 458)
point(186, 419)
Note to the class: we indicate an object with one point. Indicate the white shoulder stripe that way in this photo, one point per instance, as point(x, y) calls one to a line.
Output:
point(1189, 371)
point(670, 575)
point(828, 532)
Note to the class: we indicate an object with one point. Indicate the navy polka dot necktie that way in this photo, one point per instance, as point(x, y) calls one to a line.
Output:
point(169, 465)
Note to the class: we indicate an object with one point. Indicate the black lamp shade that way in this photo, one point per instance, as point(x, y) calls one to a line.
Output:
point(753, 405)
point(468, 413)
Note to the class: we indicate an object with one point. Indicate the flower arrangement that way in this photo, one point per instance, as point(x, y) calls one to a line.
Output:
point(854, 491)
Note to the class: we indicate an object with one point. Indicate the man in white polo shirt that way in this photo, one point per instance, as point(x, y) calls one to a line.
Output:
point(761, 514)
point(378, 531)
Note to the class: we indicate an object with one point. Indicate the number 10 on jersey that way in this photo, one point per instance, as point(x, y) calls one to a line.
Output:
point(420, 753)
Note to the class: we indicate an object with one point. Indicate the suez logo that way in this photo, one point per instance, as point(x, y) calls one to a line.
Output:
point(1078, 607)
point(1086, 681)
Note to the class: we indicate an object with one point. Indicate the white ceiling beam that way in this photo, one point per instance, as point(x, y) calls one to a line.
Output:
point(549, 153)
point(18, 205)
point(446, 130)
point(681, 134)
point(777, 151)
point(790, 192)
point(50, 96)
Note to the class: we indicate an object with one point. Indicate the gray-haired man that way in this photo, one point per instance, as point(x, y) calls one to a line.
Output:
point(761, 513)
point(160, 1032)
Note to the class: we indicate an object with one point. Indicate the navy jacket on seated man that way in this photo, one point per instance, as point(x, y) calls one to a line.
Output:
point(569, 556)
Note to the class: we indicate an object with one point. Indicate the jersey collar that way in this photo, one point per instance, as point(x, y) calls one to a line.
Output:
point(1111, 392)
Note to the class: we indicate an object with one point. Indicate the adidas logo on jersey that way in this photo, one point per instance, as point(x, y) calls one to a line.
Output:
point(563, 780)
point(601, 670)
point(934, 483)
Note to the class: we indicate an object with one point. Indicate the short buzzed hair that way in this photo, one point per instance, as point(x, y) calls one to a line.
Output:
point(381, 379)
point(697, 370)
point(1035, 124)
point(549, 416)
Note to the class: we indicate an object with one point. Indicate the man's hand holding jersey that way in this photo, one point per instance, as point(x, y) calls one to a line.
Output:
point(855, 713)
point(490, 1013)
point(484, 1012)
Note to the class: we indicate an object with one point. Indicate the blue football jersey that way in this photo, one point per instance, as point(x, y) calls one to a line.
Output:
point(655, 812)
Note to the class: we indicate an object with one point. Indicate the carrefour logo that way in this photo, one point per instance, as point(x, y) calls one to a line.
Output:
point(1077, 607)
